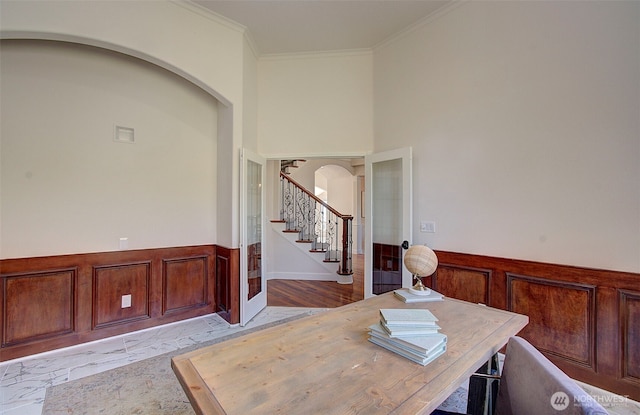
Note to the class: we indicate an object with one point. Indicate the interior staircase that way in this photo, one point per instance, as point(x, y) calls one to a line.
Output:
point(314, 227)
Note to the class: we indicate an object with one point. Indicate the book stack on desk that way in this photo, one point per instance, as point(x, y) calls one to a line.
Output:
point(411, 333)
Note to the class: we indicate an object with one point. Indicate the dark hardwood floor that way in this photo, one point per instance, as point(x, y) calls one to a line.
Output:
point(298, 293)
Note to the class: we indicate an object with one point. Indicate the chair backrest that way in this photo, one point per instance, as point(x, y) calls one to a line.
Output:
point(531, 384)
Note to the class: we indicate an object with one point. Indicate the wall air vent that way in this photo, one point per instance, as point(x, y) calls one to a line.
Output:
point(124, 135)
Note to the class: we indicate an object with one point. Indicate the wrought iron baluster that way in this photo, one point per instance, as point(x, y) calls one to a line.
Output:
point(317, 222)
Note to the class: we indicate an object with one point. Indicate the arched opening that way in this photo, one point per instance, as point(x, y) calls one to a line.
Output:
point(64, 171)
point(334, 185)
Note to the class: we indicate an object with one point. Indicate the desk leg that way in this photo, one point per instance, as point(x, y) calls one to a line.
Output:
point(483, 392)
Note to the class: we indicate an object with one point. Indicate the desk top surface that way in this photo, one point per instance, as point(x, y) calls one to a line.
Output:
point(325, 364)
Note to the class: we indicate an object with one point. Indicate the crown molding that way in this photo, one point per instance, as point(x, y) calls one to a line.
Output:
point(252, 44)
point(442, 11)
point(208, 14)
point(218, 18)
point(317, 55)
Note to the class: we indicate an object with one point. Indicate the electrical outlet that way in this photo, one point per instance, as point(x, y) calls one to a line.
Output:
point(428, 226)
point(126, 301)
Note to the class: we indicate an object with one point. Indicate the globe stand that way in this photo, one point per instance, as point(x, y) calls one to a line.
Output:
point(419, 288)
point(420, 261)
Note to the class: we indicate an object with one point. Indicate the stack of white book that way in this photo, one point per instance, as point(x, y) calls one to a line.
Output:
point(411, 333)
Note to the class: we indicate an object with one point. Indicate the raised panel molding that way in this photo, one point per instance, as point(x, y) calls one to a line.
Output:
point(630, 322)
point(48, 293)
point(84, 292)
point(587, 321)
point(223, 294)
point(111, 283)
point(464, 283)
point(561, 316)
point(184, 283)
point(227, 292)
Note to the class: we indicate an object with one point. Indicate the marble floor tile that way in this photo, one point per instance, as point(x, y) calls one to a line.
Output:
point(23, 382)
point(31, 391)
point(151, 338)
point(29, 409)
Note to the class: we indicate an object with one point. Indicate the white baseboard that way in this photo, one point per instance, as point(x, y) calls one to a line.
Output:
point(302, 276)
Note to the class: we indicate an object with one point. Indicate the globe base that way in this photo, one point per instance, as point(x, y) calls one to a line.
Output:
point(419, 288)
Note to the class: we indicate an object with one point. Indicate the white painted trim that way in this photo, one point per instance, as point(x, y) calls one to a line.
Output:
point(319, 54)
point(209, 14)
point(307, 155)
point(452, 5)
point(302, 276)
point(252, 44)
point(15, 34)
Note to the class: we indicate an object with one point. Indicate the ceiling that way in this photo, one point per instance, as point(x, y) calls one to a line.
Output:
point(298, 26)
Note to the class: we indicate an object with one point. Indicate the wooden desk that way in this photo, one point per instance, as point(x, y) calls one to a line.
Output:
point(324, 364)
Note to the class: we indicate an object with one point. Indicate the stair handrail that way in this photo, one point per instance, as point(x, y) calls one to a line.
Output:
point(314, 197)
point(344, 267)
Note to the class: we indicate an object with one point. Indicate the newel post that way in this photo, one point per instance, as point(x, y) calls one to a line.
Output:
point(345, 261)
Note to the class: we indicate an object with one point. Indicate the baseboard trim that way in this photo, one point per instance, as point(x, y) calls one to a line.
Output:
point(304, 276)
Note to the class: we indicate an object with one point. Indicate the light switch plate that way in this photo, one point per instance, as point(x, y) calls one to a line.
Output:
point(428, 226)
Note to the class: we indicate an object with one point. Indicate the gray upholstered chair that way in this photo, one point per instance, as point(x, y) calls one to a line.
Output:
point(531, 385)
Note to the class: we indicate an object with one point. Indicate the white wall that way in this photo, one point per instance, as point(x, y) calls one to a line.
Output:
point(340, 189)
point(523, 117)
point(67, 186)
point(315, 105)
point(250, 98)
point(290, 260)
point(178, 36)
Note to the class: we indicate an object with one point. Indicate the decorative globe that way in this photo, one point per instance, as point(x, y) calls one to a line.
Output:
point(421, 261)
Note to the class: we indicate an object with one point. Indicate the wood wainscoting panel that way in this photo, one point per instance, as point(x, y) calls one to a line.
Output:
point(464, 283)
point(57, 301)
point(48, 294)
point(561, 316)
point(185, 283)
point(223, 292)
point(111, 283)
point(587, 321)
point(630, 316)
point(227, 291)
